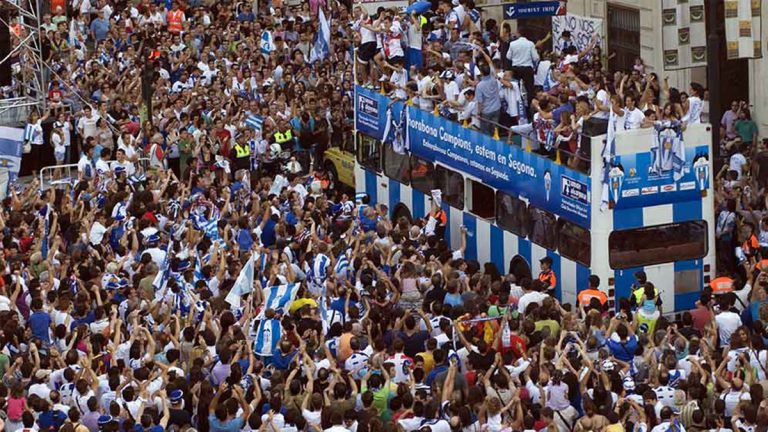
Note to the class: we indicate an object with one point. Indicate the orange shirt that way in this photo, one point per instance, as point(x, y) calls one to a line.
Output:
point(175, 21)
point(588, 294)
point(721, 285)
point(345, 350)
point(548, 278)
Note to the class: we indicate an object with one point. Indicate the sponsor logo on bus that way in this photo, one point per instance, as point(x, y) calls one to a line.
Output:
point(684, 186)
point(367, 105)
point(669, 187)
point(574, 190)
point(630, 193)
point(649, 190)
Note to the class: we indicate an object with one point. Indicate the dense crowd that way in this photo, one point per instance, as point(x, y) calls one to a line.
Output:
point(230, 285)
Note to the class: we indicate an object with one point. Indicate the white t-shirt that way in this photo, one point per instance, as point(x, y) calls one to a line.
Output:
point(633, 119)
point(605, 100)
point(399, 79)
point(87, 125)
point(528, 298)
point(727, 323)
point(451, 90)
point(735, 163)
point(732, 398)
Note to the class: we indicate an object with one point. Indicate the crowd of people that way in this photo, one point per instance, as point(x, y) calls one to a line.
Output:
point(126, 301)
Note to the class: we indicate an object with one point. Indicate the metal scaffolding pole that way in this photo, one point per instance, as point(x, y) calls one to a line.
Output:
point(30, 85)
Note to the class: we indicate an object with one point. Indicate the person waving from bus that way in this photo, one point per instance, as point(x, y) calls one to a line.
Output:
point(547, 276)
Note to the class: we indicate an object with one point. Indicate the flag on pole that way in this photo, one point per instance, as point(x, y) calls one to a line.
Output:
point(279, 298)
point(267, 336)
point(254, 122)
point(321, 45)
point(243, 284)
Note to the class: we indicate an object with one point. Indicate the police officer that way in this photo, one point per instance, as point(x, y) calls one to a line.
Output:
point(242, 154)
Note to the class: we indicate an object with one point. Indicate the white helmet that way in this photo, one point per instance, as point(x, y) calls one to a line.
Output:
point(274, 150)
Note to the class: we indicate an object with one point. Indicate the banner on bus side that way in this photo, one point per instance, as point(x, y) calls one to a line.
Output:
point(648, 181)
point(545, 184)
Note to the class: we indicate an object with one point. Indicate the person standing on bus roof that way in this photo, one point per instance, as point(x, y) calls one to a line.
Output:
point(592, 292)
point(547, 276)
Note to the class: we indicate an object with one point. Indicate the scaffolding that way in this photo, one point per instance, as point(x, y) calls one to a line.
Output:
point(29, 87)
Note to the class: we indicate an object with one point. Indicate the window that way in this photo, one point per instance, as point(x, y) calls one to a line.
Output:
point(422, 175)
point(511, 214)
point(396, 165)
point(657, 244)
point(536, 28)
point(451, 184)
point(543, 228)
point(481, 200)
point(574, 242)
point(623, 37)
point(369, 152)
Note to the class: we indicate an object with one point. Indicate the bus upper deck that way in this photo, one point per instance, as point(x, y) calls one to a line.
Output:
point(520, 206)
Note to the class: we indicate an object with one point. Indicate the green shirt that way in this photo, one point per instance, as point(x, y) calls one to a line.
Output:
point(746, 130)
point(495, 311)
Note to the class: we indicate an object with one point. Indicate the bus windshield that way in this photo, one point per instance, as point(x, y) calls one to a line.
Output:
point(658, 244)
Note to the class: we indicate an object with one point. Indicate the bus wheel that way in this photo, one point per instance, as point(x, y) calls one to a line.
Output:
point(401, 210)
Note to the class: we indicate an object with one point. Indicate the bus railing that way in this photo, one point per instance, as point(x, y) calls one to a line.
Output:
point(574, 160)
point(559, 154)
point(58, 175)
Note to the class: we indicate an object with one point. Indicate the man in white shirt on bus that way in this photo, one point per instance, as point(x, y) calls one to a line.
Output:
point(633, 117)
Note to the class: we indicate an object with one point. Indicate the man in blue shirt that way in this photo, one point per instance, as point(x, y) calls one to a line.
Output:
point(40, 321)
point(220, 418)
point(99, 29)
point(625, 348)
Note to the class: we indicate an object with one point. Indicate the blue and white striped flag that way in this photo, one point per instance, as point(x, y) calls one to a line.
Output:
point(198, 275)
point(137, 178)
point(279, 298)
point(268, 335)
point(341, 267)
point(161, 279)
point(46, 213)
point(243, 283)
point(321, 45)
point(255, 122)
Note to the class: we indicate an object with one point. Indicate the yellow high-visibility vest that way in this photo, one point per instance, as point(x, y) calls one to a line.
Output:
point(242, 151)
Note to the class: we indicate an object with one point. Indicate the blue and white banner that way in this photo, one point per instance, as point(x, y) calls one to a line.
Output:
point(534, 9)
point(11, 145)
point(648, 183)
point(321, 45)
point(244, 283)
point(268, 335)
point(267, 44)
point(701, 171)
point(279, 297)
point(544, 183)
point(254, 122)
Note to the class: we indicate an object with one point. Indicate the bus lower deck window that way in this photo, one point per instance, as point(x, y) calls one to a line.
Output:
point(511, 214)
point(422, 175)
point(682, 241)
point(481, 200)
point(451, 184)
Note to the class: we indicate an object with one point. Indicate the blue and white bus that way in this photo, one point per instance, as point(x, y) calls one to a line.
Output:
point(519, 206)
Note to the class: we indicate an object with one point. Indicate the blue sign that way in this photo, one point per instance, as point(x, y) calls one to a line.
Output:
point(639, 180)
point(547, 185)
point(534, 9)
